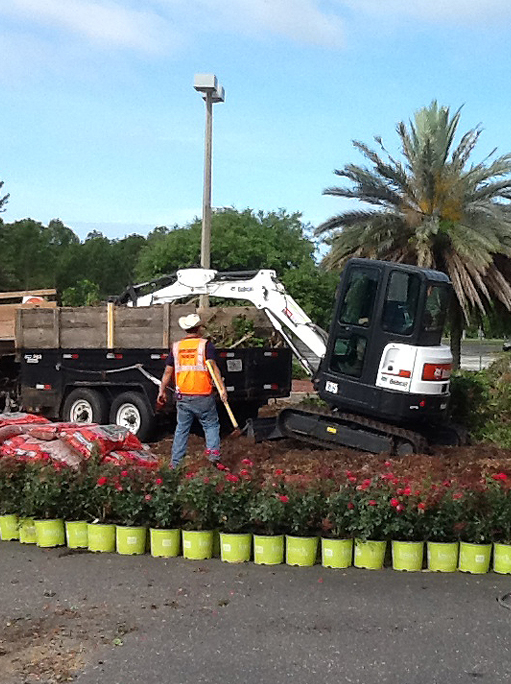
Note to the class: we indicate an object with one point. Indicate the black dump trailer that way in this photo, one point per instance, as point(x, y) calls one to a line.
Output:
point(89, 364)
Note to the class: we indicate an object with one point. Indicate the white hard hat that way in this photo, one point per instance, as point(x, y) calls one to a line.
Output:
point(189, 322)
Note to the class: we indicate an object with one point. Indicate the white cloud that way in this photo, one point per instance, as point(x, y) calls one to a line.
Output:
point(461, 11)
point(101, 21)
point(303, 21)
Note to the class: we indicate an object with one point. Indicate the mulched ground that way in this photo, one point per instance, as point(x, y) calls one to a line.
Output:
point(299, 459)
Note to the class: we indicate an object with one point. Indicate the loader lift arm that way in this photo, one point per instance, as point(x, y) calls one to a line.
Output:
point(262, 288)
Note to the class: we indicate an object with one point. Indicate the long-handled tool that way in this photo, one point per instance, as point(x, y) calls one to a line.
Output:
point(237, 432)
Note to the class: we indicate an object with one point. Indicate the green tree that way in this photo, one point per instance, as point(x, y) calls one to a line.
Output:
point(32, 253)
point(26, 255)
point(240, 240)
point(84, 293)
point(248, 240)
point(432, 209)
point(314, 290)
point(4, 199)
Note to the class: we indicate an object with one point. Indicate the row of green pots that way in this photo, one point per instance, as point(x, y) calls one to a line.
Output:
point(265, 550)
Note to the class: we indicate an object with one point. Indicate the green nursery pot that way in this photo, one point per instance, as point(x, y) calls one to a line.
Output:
point(77, 534)
point(268, 549)
point(442, 556)
point(165, 543)
point(502, 558)
point(336, 553)
point(474, 558)
point(50, 533)
point(369, 554)
point(301, 551)
point(407, 555)
point(130, 541)
point(235, 548)
point(9, 529)
point(101, 537)
point(197, 544)
point(27, 531)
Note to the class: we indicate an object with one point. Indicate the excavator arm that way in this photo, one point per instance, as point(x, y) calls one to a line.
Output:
point(262, 288)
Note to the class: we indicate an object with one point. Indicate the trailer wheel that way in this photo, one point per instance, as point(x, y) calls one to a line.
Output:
point(85, 406)
point(130, 410)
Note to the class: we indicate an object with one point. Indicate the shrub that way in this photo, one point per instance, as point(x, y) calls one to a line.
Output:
point(305, 508)
point(12, 473)
point(45, 494)
point(268, 510)
point(129, 495)
point(197, 494)
point(232, 503)
point(163, 507)
point(444, 513)
point(372, 511)
point(339, 513)
point(469, 397)
point(482, 402)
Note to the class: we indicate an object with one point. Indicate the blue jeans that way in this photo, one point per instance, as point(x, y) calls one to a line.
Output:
point(204, 409)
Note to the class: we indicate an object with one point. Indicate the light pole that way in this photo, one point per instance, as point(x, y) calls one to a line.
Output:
point(212, 93)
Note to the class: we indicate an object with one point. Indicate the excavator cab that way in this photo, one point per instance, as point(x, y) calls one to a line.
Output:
point(384, 356)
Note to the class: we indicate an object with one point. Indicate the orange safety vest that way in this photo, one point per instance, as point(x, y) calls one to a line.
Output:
point(192, 375)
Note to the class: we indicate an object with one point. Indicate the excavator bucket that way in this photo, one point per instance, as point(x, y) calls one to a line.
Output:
point(263, 429)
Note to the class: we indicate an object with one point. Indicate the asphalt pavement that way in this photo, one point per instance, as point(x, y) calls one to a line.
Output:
point(142, 619)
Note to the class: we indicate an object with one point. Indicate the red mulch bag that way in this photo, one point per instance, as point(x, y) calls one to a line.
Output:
point(26, 448)
point(107, 438)
point(23, 448)
point(8, 431)
point(20, 418)
point(61, 452)
point(137, 457)
point(50, 431)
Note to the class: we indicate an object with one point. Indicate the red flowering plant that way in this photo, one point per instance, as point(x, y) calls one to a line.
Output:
point(45, 490)
point(130, 495)
point(197, 496)
point(339, 513)
point(476, 524)
point(407, 507)
point(163, 507)
point(104, 505)
point(445, 511)
point(268, 507)
point(372, 512)
point(305, 508)
point(12, 473)
point(232, 503)
point(79, 483)
point(498, 494)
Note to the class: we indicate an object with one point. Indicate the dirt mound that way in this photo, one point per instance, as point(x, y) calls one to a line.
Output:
point(295, 458)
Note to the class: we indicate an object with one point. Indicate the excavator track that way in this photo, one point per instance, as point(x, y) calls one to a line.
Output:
point(334, 429)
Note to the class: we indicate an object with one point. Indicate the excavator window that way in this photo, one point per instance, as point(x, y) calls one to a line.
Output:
point(357, 306)
point(348, 355)
point(435, 310)
point(400, 306)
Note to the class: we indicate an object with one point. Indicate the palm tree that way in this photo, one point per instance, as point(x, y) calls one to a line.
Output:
point(431, 209)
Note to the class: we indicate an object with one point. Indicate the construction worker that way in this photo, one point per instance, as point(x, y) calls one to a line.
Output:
point(194, 386)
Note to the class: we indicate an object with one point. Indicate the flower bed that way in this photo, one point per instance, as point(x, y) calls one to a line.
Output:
point(382, 507)
point(382, 500)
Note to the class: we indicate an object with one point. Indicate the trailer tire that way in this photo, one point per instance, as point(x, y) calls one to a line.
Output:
point(131, 410)
point(87, 406)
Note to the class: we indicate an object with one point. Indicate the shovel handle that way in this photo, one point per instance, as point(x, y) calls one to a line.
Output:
point(219, 388)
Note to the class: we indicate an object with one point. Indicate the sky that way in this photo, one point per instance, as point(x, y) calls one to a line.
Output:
point(101, 126)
